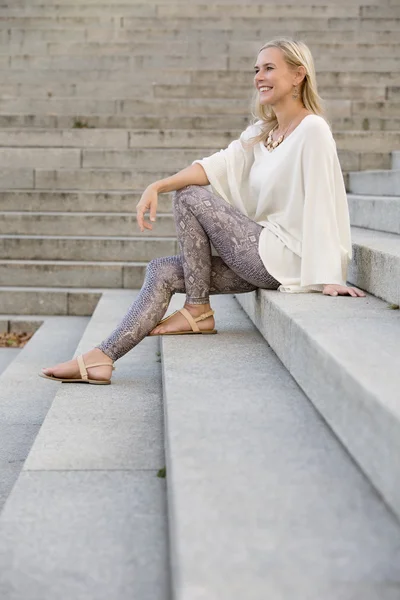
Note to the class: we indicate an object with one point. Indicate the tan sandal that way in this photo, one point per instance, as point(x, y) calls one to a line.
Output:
point(192, 321)
point(84, 374)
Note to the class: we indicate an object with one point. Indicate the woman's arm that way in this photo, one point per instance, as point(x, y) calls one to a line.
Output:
point(193, 175)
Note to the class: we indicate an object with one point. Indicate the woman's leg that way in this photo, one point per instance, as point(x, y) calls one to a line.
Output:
point(202, 217)
point(164, 277)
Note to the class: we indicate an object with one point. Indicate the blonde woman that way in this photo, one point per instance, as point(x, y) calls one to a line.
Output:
point(277, 216)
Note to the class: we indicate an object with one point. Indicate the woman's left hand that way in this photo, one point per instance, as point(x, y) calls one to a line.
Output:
point(332, 289)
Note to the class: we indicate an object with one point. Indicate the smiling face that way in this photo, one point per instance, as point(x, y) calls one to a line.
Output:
point(273, 72)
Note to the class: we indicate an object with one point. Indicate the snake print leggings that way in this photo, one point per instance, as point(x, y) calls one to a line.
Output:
point(200, 217)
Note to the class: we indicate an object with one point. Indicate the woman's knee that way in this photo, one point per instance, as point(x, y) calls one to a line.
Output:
point(188, 192)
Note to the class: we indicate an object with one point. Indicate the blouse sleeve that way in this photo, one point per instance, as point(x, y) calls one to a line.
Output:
point(326, 243)
point(225, 168)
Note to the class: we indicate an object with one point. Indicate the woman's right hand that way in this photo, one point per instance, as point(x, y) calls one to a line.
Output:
point(148, 202)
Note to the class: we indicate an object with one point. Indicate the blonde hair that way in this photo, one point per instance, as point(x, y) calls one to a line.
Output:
point(295, 54)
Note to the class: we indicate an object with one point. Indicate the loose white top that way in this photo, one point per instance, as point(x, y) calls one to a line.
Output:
point(297, 193)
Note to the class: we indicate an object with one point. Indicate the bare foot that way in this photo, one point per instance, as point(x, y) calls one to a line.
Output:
point(179, 323)
point(70, 369)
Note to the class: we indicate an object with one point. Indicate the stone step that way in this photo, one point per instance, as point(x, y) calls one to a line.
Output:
point(261, 494)
point(227, 88)
point(22, 128)
point(51, 3)
point(82, 224)
point(380, 213)
point(72, 274)
point(318, 339)
point(76, 201)
point(48, 301)
point(141, 247)
point(70, 82)
point(88, 513)
point(182, 20)
point(158, 33)
point(7, 355)
point(76, 112)
point(395, 160)
point(375, 183)
point(82, 179)
point(246, 48)
point(160, 11)
point(74, 158)
point(131, 64)
point(376, 263)
point(175, 159)
point(92, 137)
point(24, 402)
point(207, 19)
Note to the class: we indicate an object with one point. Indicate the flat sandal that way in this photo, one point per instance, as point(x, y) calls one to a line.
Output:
point(192, 321)
point(84, 374)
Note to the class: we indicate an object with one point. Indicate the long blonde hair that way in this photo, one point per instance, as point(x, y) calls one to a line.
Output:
point(296, 54)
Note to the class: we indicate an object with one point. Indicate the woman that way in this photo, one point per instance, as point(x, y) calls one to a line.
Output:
point(278, 217)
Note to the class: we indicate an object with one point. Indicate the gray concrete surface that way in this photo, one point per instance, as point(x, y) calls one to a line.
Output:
point(87, 516)
point(381, 213)
point(344, 354)
point(7, 355)
point(264, 500)
point(375, 266)
point(25, 398)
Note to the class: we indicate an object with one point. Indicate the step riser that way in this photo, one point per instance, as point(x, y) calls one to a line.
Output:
point(84, 138)
point(59, 81)
point(395, 161)
point(130, 64)
point(55, 158)
point(349, 405)
point(48, 303)
point(171, 160)
point(73, 276)
point(65, 225)
point(78, 201)
point(38, 112)
point(377, 273)
point(375, 184)
point(375, 213)
point(200, 22)
point(103, 249)
point(80, 93)
point(206, 122)
point(93, 35)
point(179, 10)
point(247, 48)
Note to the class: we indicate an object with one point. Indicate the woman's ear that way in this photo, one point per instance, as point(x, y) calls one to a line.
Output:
point(300, 74)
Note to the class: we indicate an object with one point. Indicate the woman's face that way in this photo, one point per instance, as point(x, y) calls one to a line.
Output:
point(273, 72)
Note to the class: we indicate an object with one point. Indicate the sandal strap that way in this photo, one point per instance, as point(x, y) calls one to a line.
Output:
point(83, 368)
point(189, 317)
point(193, 321)
point(101, 365)
point(205, 315)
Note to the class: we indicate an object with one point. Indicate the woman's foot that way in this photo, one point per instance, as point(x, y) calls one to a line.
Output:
point(70, 369)
point(179, 323)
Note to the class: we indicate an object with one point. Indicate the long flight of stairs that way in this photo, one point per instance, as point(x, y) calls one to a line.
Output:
point(280, 435)
point(100, 99)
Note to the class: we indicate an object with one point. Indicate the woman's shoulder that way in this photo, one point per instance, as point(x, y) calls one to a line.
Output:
point(317, 123)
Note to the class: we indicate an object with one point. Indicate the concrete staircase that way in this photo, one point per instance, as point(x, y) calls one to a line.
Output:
point(100, 99)
point(281, 434)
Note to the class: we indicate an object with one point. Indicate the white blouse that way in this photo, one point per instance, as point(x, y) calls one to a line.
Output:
point(297, 194)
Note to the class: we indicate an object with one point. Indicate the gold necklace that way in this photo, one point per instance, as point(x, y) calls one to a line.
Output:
point(271, 145)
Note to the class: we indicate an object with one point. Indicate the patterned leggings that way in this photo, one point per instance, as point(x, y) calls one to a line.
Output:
point(200, 217)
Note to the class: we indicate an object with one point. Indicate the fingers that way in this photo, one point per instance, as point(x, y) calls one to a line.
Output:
point(140, 211)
